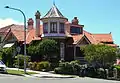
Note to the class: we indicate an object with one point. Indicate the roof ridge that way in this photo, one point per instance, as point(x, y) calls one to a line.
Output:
point(101, 33)
point(87, 32)
point(7, 26)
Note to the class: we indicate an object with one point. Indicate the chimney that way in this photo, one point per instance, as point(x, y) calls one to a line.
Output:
point(30, 24)
point(37, 31)
point(75, 21)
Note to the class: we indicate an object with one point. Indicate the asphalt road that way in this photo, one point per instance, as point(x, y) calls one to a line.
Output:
point(20, 79)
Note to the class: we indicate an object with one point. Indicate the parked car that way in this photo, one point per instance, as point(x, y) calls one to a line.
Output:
point(2, 67)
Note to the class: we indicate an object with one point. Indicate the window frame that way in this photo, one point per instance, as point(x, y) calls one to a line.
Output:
point(53, 27)
point(77, 30)
point(62, 27)
point(45, 27)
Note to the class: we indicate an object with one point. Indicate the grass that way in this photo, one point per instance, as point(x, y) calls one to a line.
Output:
point(19, 72)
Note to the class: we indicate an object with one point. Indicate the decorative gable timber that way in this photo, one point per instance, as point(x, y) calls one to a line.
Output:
point(10, 38)
point(83, 41)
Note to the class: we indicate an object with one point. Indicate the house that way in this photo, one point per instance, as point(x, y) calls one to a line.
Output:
point(71, 35)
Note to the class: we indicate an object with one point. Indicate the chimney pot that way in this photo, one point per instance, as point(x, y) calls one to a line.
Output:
point(75, 21)
point(30, 23)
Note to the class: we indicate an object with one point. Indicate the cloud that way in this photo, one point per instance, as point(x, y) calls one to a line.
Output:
point(8, 21)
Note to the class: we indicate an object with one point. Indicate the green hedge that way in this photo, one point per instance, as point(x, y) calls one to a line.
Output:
point(72, 67)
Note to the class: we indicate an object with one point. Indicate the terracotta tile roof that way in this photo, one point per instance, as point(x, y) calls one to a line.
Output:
point(103, 38)
point(31, 36)
point(113, 45)
point(76, 38)
point(90, 37)
point(12, 27)
point(18, 34)
point(18, 31)
point(94, 38)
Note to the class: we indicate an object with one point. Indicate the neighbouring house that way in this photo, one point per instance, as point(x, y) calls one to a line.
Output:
point(71, 35)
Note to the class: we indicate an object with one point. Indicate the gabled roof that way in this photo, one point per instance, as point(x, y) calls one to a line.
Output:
point(18, 32)
point(12, 27)
point(95, 38)
point(54, 12)
point(103, 37)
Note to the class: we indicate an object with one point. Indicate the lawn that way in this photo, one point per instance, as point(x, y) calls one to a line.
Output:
point(19, 72)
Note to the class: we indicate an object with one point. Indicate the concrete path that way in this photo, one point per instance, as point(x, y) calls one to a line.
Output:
point(44, 74)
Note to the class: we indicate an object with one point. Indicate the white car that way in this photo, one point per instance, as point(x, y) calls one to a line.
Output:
point(2, 67)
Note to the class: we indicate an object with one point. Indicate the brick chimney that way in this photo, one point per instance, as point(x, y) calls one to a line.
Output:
point(75, 21)
point(30, 24)
point(37, 31)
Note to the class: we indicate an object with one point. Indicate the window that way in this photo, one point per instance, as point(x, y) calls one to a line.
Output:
point(61, 27)
point(45, 27)
point(62, 50)
point(53, 27)
point(75, 30)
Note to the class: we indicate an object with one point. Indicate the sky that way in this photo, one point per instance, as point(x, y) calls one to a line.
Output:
point(97, 16)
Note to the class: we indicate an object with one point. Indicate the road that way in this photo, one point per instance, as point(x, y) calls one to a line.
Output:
point(20, 79)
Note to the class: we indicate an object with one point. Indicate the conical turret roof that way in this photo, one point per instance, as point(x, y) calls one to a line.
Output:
point(54, 12)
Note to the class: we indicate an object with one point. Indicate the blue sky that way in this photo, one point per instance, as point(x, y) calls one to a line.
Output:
point(98, 16)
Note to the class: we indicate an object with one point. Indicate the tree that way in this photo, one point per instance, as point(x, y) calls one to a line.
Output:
point(118, 53)
point(101, 54)
point(7, 56)
point(33, 51)
point(48, 48)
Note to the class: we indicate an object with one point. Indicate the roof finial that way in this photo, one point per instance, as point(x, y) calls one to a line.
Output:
point(53, 2)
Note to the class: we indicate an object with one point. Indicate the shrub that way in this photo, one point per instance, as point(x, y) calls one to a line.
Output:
point(34, 65)
point(91, 72)
point(30, 65)
point(64, 68)
point(39, 65)
point(75, 62)
point(118, 70)
point(53, 65)
point(62, 64)
point(21, 61)
point(59, 70)
point(101, 73)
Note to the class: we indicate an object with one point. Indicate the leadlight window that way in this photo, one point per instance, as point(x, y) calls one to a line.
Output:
point(45, 27)
point(53, 27)
point(61, 27)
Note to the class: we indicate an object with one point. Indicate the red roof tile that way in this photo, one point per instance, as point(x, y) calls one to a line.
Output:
point(94, 38)
point(77, 38)
point(113, 45)
point(31, 36)
point(90, 37)
point(18, 31)
point(103, 38)
point(18, 34)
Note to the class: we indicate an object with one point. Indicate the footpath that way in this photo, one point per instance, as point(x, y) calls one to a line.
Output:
point(44, 74)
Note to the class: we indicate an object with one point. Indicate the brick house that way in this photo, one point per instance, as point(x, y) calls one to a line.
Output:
point(71, 35)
